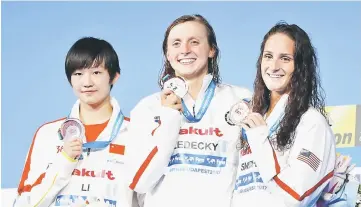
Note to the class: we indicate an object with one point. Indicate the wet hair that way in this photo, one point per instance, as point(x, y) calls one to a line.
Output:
point(90, 52)
point(305, 85)
point(213, 67)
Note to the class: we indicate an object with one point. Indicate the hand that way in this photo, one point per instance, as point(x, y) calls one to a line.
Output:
point(73, 147)
point(169, 99)
point(253, 120)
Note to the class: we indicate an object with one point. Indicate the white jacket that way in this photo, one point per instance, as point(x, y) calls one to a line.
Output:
point(182, 164)
point(293, 177)
point(51, 178)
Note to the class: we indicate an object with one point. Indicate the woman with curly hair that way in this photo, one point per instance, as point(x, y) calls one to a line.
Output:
point(287, 149)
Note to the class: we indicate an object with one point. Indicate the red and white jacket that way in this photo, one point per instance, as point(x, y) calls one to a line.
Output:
point(292, 177)
point(51, 178)
point(178, 163)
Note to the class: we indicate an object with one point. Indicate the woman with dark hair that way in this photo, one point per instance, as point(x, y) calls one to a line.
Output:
point(288, 146)
point(184, 151)
point(77, 160)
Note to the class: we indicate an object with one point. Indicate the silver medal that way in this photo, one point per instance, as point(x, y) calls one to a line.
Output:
point(177, 85)
point(72, 128)
point(238, 112)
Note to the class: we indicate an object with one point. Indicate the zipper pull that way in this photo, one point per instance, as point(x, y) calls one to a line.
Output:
point(194, 111)
point(88, 153)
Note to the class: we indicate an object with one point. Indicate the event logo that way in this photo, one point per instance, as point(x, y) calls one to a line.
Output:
point(343, 124)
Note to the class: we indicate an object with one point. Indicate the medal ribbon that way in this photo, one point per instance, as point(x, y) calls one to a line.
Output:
point(272, 130)
point(205, 104)
point(103, 144)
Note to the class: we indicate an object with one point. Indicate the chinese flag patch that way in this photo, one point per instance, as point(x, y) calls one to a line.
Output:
point(117, 149)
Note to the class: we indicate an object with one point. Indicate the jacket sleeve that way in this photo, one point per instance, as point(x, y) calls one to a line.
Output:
point(42, 179)
point(153, 135)
point(309, 166)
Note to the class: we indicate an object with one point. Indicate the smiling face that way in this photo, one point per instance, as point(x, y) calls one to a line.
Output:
point(188, 49)
point(277, 64)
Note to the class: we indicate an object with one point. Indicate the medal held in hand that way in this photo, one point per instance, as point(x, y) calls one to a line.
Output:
point(72, 128)
point(177, 85)
point(238, 112)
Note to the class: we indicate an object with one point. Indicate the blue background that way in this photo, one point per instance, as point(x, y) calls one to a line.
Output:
point(37, 35)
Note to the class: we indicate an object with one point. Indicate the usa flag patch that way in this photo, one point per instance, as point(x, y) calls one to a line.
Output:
point(309, 158)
